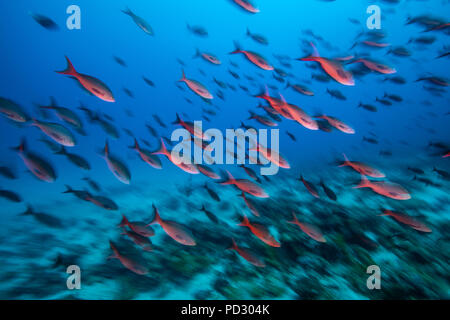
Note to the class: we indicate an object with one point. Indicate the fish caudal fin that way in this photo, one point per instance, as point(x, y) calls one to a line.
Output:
point(21, 147)
point(245, 222)
point(162, 149)
point(233, 245)
point(365, 183)
point(237, 48)
point(230, 179)
point(183, 76)
point(70, 70)
point(68, 189)
point(294, 219)
point(346, 161)
point(124, 222)
point(157, 218)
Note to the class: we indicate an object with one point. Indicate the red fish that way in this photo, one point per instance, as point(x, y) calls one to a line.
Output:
point(246, 186)
point(189, 126)
point(362, 168)
point(38, 166)
point(208, 57)
point(446, 155)
point(333, 68)
point(310, 187)
point(140, 228)
point(272, 156)
point(246, 5)
point(147, 157)
point(196, 87)
point(187, 167)
point(249, 204)
point(297, 114)
point(254, 58)
point(207, 171)
point(91, 84)
point(338, 124)
point(128, 263)
point(405, 219)
point(384, 188)
point(119, 170)
point(309, 229)
point(375, 66)
point(174, 230)
point(260, 232)
point(376, 44)
point(247, 255)
point(141, 241)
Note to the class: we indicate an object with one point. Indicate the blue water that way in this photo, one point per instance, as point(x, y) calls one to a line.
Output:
point(413, 264)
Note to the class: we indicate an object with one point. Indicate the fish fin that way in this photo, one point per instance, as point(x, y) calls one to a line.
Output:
point(233, 245)
point(127, 11)
point(61, 151)
point(346, 161)
point(197, 53)
point(21, 147)
point(124, 221)
point(106, 149)
point(237, 48)
point(162, 149)
point(28, 212)
point(183, 76)
point(70, 70)
point(363, 184)
point(178, 120)
point(157, 218)
point(294, 219)
point(68, 189)
point(230, 179)
point(136, 145)
point(245, 222)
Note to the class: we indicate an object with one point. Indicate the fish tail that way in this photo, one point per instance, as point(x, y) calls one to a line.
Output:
point(62, 151)
point(346, 161)
point(294, 219)
point(178, 120)
point(288, 84)
point(70, 70)
point(237, 48)
point(123, 222)
point(230, 179)
point(233, 245)
point(385, 213)
point(106, 149)
point(28, 212)
point(162, 149)
point(365, 183)
point(245, 222)
point(183, 76)
point(136, 145)
point(157, 218)
point(68, 189)
point(21, 147)
point(197, 53)
point(127, 11)
point(115, 254)
point(315, 51)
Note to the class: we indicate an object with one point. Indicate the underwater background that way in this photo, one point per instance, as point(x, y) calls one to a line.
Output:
point(402, 128)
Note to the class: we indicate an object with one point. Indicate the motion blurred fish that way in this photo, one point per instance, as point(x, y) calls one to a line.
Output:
point(119, 169)
point(253, 57)
point(42, 169)
point(247, 255)
point(57, 132)
point(245, 186)
point(246, 5)
point(176, 160)
point(208, 57)
point(196, 87)
point(309, 229)
point(174, 230)
point(12, 110)
point(332, 67)
point(385, 188)
point(91, 84)
point(138, 227)
point(309, 186)
point(139, 240)
point(75, 159)
point(338, 124)
point(362, 168)
point(147, 156)
point(44, 21)
point(257, 37)
point(127, 262)
point(405, 219)
point(261, 232)
point(140, 22)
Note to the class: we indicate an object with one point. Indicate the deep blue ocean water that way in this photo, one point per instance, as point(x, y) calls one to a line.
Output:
point(413, 264)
